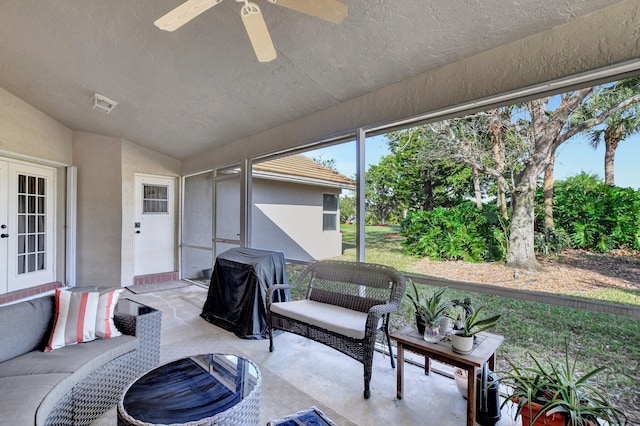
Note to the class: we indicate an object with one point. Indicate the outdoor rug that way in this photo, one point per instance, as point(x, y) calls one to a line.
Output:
point(151, 288)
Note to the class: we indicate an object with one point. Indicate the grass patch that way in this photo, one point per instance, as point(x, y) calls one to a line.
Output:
point(613, 295)
point(383, 245)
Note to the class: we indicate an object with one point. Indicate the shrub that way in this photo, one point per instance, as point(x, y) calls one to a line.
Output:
point(460, 232)
point(596, 216)
point(551, 241)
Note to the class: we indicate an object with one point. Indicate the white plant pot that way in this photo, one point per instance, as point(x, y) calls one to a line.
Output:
point(445, 325)
point(461, 344)
point(460, 376)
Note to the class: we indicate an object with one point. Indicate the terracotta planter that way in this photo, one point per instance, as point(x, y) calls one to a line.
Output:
point(552, 420)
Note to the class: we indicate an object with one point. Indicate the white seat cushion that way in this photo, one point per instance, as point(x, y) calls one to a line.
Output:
point(340, 320)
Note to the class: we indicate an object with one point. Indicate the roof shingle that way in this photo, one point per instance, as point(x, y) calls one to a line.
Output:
point(299, 165)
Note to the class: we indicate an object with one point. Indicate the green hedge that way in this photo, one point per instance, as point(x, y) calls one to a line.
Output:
point(596, 216)
point(461, 232)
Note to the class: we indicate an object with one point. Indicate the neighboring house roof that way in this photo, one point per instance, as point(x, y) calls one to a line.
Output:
point(301, 169)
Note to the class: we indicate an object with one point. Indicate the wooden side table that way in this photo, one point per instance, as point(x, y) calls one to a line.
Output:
point(484, 350)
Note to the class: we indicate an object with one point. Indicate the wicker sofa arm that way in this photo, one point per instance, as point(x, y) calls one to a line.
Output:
point(271, 290)
point(375, 313)
point(386, 308)
point(145, 323)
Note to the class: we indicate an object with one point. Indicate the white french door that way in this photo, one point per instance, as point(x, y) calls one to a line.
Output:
point(4, 231)
point(27, 226)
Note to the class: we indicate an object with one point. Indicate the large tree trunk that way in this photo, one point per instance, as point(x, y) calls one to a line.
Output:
point(612, 136)
point(428, 203)
point(499, 154)
point(521, 253)
point(476, 188)
point(502, 201)
point(547, 190)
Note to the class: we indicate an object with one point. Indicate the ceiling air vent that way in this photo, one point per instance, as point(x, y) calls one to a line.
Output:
point(103, 104)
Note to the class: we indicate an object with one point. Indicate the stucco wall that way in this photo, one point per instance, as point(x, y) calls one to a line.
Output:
point(288, 217)
point(99, 218)
point(26, 131)
point(137, 159)
point(603, 38)
point(106, 210)
point(28, 134)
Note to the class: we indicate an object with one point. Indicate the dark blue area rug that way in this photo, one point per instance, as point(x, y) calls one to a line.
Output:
point(311, 417)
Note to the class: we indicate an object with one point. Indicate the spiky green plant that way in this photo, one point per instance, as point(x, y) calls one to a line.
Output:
point(559, 388)
point(474, 325)
point(432, 309)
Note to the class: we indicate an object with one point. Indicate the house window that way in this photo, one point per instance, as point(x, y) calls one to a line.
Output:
point(155, 199)
point(329, 212)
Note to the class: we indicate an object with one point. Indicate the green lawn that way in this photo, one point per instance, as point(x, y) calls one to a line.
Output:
point(597, 338)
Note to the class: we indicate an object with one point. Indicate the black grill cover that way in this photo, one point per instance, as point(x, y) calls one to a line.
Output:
point(238, 288)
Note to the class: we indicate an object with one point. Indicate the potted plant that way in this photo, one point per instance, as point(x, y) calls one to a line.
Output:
point(430, 312)
point(462, 340)
point(557, 394)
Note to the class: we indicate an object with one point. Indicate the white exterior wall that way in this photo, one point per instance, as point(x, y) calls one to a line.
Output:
point(288, 217)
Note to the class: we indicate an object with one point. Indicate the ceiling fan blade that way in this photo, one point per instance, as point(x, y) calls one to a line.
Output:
point(184, 13)
point(330, 10)
point(258, 32)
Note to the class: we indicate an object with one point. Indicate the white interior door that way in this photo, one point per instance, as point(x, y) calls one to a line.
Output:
point(4, 231)
point(27, 225)
point(155, 224)
point(227, 213)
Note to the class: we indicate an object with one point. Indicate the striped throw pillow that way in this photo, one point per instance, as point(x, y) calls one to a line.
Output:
point(75, 319)
point(105, 328)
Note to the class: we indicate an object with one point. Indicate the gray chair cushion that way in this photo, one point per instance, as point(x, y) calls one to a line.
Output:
point(25, 326)
point(80, 359)
point(28, 393)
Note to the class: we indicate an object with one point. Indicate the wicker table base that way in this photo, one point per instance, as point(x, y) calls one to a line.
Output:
point(201, 390)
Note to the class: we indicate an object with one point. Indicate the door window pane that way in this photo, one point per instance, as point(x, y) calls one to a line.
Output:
point(155, 199)
point(31, 223)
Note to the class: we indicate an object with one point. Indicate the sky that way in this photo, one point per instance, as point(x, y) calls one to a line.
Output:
point(572, 158)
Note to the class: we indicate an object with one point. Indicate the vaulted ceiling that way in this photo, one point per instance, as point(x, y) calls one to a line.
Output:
point(184, 92)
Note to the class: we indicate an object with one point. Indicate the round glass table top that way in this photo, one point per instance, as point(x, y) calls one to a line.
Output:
point(191, 389)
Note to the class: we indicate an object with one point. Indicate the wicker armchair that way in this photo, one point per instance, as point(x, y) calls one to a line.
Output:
point(375, 290)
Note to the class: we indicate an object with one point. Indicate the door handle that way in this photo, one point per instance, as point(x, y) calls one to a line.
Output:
point(4, 236)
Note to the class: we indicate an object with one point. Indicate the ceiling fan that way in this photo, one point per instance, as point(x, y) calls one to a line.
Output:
point(330, 10)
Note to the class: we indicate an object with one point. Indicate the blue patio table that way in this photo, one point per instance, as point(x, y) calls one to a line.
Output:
point(220, 389)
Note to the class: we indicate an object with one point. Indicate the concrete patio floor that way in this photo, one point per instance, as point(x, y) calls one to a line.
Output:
point(301, 373)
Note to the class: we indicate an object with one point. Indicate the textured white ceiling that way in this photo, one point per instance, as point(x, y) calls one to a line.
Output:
point(184, 92)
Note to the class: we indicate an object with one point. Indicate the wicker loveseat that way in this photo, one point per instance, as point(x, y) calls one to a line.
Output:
point(345, 307)
point(72, 385)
